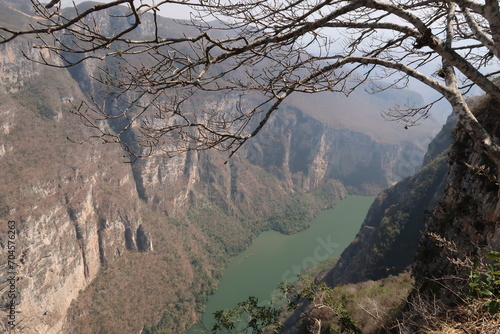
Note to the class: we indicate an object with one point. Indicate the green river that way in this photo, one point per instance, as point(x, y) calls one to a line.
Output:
point(274, 257)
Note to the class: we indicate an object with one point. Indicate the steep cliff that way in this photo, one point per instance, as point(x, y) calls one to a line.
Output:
point(466, 222)
point(298, 153)
point(67, 200)
point(464, 226)
point(439, 222)
point(388, 239)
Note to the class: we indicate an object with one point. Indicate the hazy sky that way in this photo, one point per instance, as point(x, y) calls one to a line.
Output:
point(167, 10)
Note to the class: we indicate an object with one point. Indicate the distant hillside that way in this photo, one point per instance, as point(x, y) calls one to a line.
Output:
point(364, 112)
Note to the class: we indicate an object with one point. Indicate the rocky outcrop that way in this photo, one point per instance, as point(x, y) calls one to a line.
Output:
point(302, 153)
point(70, 203)
point(466, 222)
point(308, 152)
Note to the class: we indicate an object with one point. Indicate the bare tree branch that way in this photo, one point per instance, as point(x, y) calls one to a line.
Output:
point(163, 86)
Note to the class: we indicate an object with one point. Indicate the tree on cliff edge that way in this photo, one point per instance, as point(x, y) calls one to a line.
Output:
point(256, 53)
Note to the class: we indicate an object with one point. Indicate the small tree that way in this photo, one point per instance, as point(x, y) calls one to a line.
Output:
point(313, 302)
point(257, 53)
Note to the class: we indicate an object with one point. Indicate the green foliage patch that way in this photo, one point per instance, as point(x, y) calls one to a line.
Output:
point(255, 318)
point(355, 308)
point(484, 281)
point(42, 95)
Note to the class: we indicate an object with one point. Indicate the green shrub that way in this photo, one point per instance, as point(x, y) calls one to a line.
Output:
point(484, 281)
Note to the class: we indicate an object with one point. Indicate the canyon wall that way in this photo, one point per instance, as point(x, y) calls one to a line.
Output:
point(72, 204)
point(389, 237)
point(466, 222)
point(435, 224)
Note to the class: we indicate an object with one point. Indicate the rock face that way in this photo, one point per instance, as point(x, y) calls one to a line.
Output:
point(86, 222)
point(388, 239)
point(438, 222)
point(302, 153)
point(466, 222)
point(312, 148)
point(67, 200)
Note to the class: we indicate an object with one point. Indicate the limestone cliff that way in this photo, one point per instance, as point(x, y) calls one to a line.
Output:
point(66, 199)
point(436, 222)
point(302, 153)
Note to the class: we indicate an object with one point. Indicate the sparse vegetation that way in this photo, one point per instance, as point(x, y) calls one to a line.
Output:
point(428, 315)
point(309, 307)
point(372, 305)
point(375, 306)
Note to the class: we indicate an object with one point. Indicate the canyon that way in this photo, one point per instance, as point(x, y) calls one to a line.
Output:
point(109, 245)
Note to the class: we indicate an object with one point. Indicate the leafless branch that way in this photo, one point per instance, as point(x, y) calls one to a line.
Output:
point(215, 81)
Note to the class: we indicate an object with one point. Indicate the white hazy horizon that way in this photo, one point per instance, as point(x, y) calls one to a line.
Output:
point(173, 11)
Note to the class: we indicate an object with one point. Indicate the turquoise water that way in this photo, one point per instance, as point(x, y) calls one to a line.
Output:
point(274, 257)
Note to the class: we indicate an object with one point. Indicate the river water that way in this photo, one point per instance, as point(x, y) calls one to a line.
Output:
point(274, 257)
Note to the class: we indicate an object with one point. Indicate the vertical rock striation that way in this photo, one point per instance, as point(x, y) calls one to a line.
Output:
point(466, 222)
point(71, 203)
